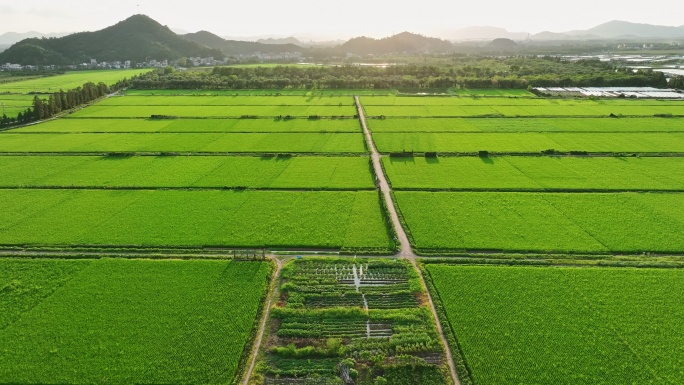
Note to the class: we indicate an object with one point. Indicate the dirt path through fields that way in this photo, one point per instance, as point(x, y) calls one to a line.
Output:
point(264, 320)
point(406, 250)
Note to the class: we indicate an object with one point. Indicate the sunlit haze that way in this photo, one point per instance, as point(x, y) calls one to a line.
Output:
point(326, 19)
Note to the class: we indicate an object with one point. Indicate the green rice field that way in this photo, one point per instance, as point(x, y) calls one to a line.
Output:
point(183, 142)
point(11, 105)
point(492, 92)
point(281, 100)
point(126, 321)
point(276, 219)
point(522, 325)
point(494, 110)
point(194, 125)
point(68, 81)
point(234, 111)
point(256, 92)
point(545, 222)
point(531, 142)
point(588, 125)
point(393, 100)
point(186, 171)
point(536, 173)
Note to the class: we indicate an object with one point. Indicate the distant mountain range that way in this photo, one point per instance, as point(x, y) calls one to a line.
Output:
point(283, 40)
point(403, 42)
point(612, 30)
point(235, 47)
point(139, 38)
point(621, 29)
point(10, 38)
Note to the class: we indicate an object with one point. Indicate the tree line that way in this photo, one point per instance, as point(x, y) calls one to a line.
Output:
point(61, 101)
point(510, 73)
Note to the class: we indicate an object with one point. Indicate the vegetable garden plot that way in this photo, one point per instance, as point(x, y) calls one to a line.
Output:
point(565, 325)
point(361, 319)
point(126, 321)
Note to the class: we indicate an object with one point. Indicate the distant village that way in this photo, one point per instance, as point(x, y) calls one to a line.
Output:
point(180, 63)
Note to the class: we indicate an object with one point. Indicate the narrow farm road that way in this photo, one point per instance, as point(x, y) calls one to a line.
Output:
point(406, 250)
point(264, 319)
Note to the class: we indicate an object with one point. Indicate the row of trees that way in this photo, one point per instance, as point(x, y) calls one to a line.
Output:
point(61, 101)
point(677, 82)
point(471, 73)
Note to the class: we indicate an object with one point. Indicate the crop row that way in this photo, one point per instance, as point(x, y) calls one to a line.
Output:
point(186, 171)
point(193, 125)
point(507, 101)
point(607, 125)
point(531, 142)
point(193, 218)
point(136, 111)
point(184, 142)
point(545, 222)
point(288, 100)
point(563, 325)
point(487, 109)
point(68, 81)
point(11, 105)
point(126, 320)
point(536, 173)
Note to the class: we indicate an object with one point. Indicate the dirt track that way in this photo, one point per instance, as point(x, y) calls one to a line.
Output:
point(264, 321)
point(406, 250)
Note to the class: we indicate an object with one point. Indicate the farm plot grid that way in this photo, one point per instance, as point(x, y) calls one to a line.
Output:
point(283, 182)
point(127, 321)
point(359, 321)
point(527, 325)
point(573, 183)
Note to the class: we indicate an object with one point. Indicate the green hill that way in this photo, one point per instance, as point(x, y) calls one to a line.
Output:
point(403, 42)
point(137, 38)
point(235, 47)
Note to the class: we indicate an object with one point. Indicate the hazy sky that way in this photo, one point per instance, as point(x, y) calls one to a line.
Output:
point(327, 18)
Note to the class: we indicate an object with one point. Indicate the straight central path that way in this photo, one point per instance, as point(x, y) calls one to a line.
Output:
point(406, 250)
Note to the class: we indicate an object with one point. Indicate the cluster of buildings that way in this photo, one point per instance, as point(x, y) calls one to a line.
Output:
point(10, 67)
point(107, 65)
point(126, 64)
point(612, 92)
point(152, 63)
point(294, 56)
